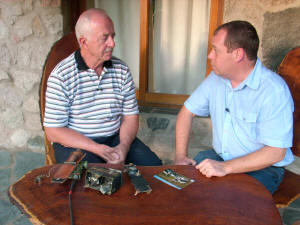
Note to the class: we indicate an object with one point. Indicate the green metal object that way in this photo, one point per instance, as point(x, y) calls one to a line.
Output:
point(138, 181)
point(105, 180)
point(78, 171)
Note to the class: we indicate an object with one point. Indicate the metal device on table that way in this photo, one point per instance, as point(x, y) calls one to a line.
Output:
point(138, 181)
point(72, 168)
point(105, 180)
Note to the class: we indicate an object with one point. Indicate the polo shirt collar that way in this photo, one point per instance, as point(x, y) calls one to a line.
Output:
point(253, 80)
point(81, 65)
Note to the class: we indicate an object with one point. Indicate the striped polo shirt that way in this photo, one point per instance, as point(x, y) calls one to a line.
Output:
point(93, 105)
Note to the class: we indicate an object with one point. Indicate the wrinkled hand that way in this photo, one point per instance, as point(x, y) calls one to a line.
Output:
point(184, 160)
point(121, 152)
point(209, 168)
point(108, 154)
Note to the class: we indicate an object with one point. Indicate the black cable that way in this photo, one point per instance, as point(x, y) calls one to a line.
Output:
point(70, 200)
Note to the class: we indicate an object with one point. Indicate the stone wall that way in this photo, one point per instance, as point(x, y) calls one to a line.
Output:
point(277, 23)
point(28, 29)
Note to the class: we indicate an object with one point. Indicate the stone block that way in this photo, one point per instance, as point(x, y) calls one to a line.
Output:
point(38, 56)
point(53, 22)
point(5, 56)
point(270, 3)
point(28, 6)
point(37, 27)
point(23, 26)
point(36, 144)
point(295, 204)
point(51, 3)
point(5, 179)
point(27, 161)
point(9, 96)
point(25, 80)
point(10, 12)
point(19, 138)
point(31, 104)
point(158, 123)
point(33, 121)
point(22, 220)
point(8, 212)
point(295, 166)
point(3, 74)
point(24, 53)
point(5, 134)
point(201, 132)
point(11, 118)
point(16, 9)
point(155, 123)
point(157, 130)
point(290, 216)
point(4, 32)
point(280, 35)
point(5, 159)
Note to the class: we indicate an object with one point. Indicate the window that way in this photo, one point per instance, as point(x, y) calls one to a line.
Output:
point(164, 42)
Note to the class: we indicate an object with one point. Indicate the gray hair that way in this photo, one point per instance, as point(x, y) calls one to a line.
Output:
point(83, 24)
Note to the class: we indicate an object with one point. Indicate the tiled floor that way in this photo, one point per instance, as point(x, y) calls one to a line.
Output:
point(13, 165)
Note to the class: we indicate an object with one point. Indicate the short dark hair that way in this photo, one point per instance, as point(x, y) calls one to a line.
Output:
point(241, 34)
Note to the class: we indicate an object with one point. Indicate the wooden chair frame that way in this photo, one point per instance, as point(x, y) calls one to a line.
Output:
point(60, 50)
point(289, 69)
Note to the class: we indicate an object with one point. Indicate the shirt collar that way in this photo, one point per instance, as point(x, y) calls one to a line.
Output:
point(254, 77)
point(81, 65)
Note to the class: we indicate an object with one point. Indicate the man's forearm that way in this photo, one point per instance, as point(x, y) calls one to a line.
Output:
point(128, 130)
point(71, 138)
point(260, 159)
point(183, 128)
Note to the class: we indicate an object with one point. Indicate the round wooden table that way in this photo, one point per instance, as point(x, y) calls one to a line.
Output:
point(233, 199)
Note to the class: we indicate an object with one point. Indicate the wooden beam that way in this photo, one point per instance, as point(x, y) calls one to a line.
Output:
point(216, 19)
point(144, 48)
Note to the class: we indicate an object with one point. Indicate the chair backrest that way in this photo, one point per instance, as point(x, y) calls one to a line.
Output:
point(289, 69)
point(60, 50)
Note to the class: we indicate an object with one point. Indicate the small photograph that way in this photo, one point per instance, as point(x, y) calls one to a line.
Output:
point(174, 179)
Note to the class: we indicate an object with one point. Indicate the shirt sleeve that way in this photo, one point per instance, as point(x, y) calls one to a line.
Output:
point(130, 105)
point(275, 121)
point(57, 103)
point(198, 102)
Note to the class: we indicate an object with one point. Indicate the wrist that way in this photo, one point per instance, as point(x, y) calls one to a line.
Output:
point(180, 155)
point(124, 146)
point(228, 167)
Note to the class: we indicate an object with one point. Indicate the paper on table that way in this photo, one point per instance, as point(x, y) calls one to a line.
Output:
point(173, 179)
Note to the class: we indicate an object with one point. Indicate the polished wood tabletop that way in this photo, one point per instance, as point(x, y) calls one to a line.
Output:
point(233, 199)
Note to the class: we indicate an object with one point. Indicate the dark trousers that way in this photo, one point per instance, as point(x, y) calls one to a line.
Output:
point(270, 177)
point(139, 154)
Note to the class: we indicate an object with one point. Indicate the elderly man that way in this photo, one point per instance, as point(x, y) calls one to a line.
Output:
point(251, 109)
point(91, 102)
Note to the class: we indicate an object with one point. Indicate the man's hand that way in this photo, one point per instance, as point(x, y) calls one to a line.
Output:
point(121, 151)
point(209, 168)
point(107, 153)
point(184, 160)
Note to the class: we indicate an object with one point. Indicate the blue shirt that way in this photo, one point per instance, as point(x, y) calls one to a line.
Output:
point(257, 113)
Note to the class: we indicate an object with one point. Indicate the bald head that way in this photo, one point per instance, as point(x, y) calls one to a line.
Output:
point(86, 20)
